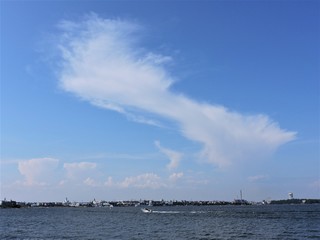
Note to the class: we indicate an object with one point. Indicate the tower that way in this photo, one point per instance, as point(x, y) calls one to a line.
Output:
point(290, 194)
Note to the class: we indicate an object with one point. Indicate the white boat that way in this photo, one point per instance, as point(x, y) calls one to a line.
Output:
point(146, 210)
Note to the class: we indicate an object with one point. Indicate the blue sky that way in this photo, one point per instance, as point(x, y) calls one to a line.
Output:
point(149, 99)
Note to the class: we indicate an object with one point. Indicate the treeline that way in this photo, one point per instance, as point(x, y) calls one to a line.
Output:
point(295, 201)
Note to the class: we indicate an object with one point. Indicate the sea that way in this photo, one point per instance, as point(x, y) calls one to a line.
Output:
point(173, 222)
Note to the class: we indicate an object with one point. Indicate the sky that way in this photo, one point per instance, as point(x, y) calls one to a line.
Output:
point(175, 100)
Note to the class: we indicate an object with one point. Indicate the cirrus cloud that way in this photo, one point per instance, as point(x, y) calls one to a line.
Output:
point(103, 63)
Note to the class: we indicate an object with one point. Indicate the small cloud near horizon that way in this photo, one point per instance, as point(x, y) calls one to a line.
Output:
point(257, 178)
point(37, 171)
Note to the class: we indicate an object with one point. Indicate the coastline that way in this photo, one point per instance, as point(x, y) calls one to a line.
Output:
point(136, 203)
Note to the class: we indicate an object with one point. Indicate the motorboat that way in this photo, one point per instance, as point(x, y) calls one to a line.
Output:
point(146, 210)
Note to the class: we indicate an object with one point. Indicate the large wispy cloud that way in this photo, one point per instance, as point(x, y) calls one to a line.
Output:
point(103, 63)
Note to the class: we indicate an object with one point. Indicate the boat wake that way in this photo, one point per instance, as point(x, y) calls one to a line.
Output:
point(145, 210)
point(167, 212)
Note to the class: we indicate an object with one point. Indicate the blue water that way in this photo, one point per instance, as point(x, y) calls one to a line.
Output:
point(191, 222)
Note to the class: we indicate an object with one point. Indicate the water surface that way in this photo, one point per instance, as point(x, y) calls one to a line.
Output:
point(183, 222)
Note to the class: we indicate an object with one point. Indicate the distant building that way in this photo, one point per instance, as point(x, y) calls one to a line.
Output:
point(290, 194)
point(9, 204)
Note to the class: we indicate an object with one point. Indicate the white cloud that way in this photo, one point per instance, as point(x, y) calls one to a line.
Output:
point(257, 178)
point(175, 176)
point(103, 64)
point(146, 180)
point(90, 182)
point(109, 182)
point(38, 171)
point(174, 156)
point(75, 170)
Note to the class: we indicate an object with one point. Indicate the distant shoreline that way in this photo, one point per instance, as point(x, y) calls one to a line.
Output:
point(133, 203)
